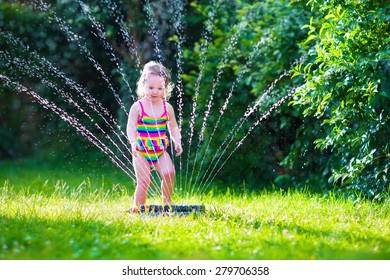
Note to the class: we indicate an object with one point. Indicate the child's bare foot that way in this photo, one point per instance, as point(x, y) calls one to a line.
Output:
point(133, 210)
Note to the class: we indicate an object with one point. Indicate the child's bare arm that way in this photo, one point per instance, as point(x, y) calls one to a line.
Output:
point(174, 130)
point(131, 129)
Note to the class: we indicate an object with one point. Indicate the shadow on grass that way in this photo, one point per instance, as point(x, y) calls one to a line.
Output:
point(326, 244)
point(32, 238)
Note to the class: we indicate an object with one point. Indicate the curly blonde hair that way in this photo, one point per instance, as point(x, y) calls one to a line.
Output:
point(155, 68)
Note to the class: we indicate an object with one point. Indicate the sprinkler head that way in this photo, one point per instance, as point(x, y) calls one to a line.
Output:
point(170, 209)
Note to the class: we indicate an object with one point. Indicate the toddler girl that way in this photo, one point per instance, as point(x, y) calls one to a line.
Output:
point(149, 119)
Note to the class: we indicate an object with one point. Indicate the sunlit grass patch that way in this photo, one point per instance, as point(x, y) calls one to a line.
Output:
point(81, 217)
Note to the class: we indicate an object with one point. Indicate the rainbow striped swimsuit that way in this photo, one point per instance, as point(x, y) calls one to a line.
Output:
point(152, 140)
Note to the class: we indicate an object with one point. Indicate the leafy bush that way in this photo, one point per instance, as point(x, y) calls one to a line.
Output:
point(346, 87)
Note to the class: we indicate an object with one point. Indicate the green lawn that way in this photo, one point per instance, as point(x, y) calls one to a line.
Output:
point(66, 212)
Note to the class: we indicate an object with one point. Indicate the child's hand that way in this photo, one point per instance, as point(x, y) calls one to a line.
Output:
point(179, 149)
point(134, 149)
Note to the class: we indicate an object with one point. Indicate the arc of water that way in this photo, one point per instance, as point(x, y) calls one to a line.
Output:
point(209, 26)
point(177, 20)
point(250, 110)
point(72, 37)
point(129, 40)
point(87, 97)
point(239, 143)
point(153, 30)
point(74, 122)
point(101, 34)
point(231, 43)
point(243, 70)
point(83, 93)
point(68, 98)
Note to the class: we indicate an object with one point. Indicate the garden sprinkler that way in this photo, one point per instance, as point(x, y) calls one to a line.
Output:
point(168, 209)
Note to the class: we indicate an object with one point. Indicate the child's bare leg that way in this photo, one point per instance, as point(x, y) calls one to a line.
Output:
point(167, 172)
point(142, 172)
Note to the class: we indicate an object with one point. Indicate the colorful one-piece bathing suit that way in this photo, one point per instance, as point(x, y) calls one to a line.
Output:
point(151, 135)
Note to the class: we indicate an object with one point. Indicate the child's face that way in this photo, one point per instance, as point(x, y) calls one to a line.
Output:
point(154, 88)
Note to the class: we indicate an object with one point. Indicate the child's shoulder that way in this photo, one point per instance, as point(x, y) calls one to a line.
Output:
point(136, 104)
point(136, 107)
point(168, 105)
